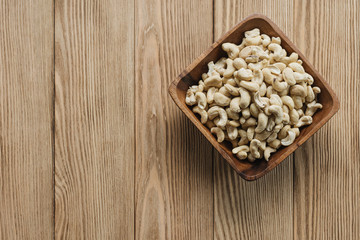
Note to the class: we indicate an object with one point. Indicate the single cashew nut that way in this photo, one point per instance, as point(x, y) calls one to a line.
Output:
point(278, 127)
point(245, 98)
point(221, 99)
point(254, 110)
point(274, 69)
point(219, 134)
point(283, 131)
point(297, 102)
point(249, 123)
point(294, 116)
point(259, 101)
point(271, 124)
point(258, 77)
point(267, 152)
point(234, 123)
point(213, 81)
point(288, 101)
point(220, 66)
point(312, 108)
point(231, 49)
point(210, 124)
point(289, 138)
point(272, 137)
point(277, 112)
point(268, 77)
point(190, 98)
point(275, 144)
point(246, 113)
point(304, 120)
point(239, 63)
point(232, 90)
point(288, 76)
point(250, 133)
point(201, 100)
point(252, 59)
point(210, 95)
point(292, 58)
point(280, 66)
point(231, 114)
point(298, 90)
point(262, 136)
point(262, 122)
point(218, 111)
point(275, 100)
point(277, 49)
point(244, 74)
point(254, 148)
point(242, 148)
point(224, 91)
point(251, 86)
point(296, 131)
point(235, 104)
point(243, 137)
point(203, 114)
point(230, 69)
point(310, 94)
point(232, 132)
point(252, 33)
point(262, 90)
point(279, 86)
point(265, 40)
point(296, 67)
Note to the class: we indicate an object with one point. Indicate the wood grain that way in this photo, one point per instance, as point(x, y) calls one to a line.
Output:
point(174, 186)
point(261, 209)
point(94, 130)
point(26, 110)
point(326, 170)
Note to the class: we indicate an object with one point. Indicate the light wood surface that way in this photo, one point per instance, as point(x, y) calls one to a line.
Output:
point(26, 119)
point(92, 146)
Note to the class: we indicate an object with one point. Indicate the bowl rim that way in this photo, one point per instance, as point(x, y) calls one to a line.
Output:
point(205, 131)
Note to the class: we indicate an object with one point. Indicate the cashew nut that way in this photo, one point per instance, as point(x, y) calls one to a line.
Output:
point(249, 123)
point(265, 40)
point(267, 152)
point(245, 98)
point(219, 133)
point(241, 151)
point(262, 89)
point(232, 90)
point(201, 100)
point(288, 76)
point(244, 74)
point(221, 99)
point(232, 132)
point(277, 112)
point(294, 116)
point(246, 113)
point(210, 95)
point(304, 120)
point(234, 123)
point(239, 63)
point(289, 139)
point(288, 101)
point(231, 114)
point(281, 66)
point(272, 137)
point(262, 122)
point(218, 111)
point(271, 124)
point(259, 101)
point(258, 77)
point(254, 148)
point(292, 58)
point(250, 133)
point(279, 86)
point(243, 137)
point(275, 144)
point(296, 67)
point(254, 111)
point(190, 98)
point(283, 131)
point(251, 86)
point(297, 102)
point(230, 69)
point(275, 100)
point(203, 114)
point(213, 81)
point(312, 108)
point(231, 49)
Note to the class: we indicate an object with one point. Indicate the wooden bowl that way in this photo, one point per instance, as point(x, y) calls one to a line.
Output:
point(192, 74)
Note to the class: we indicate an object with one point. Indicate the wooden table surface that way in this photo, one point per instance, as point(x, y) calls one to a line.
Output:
point(92, 146)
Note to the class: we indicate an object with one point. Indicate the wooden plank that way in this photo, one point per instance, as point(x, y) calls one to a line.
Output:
point(94, 130)
point(326, 171)
point(26, 110)
point(261, 209)
point(174, 187)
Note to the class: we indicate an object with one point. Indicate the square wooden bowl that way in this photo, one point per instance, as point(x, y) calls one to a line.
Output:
point(192, 74)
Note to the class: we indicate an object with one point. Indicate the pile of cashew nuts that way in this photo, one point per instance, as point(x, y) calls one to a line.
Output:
point(257, 98)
